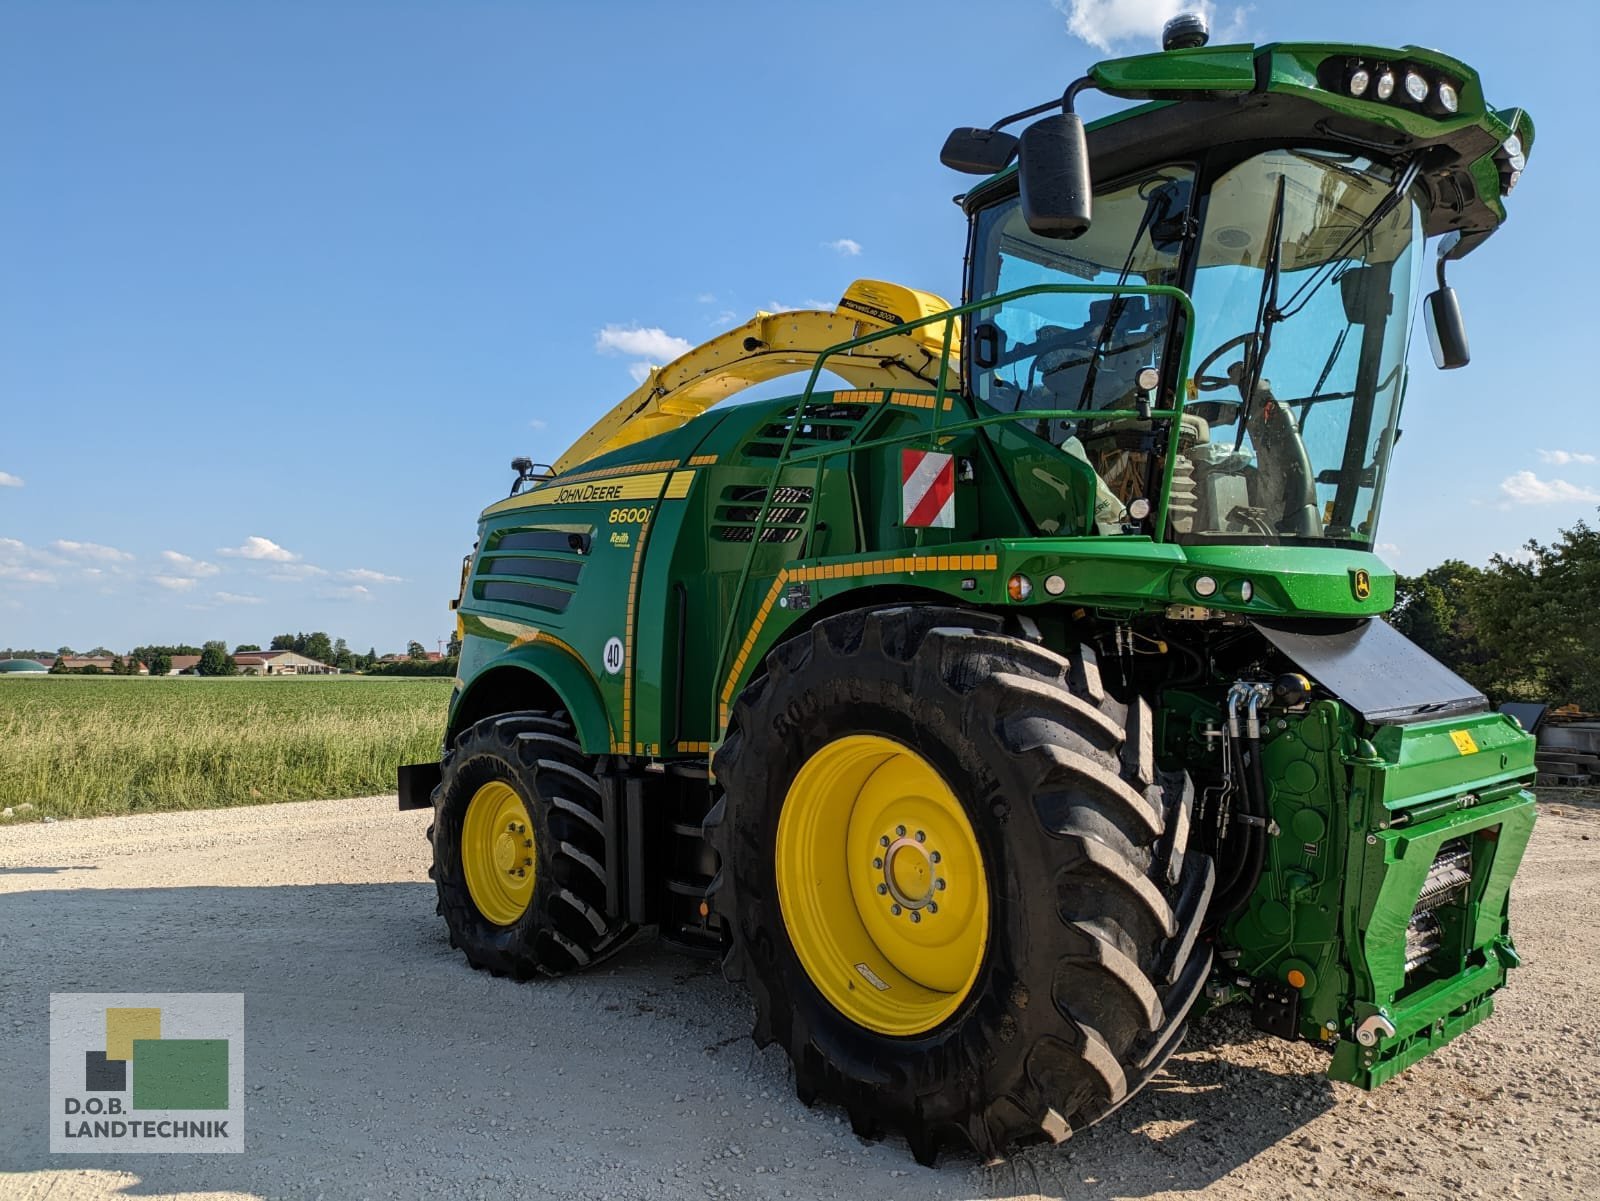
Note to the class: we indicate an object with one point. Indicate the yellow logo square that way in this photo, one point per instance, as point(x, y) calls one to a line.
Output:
point(125, 1025)
point(1463, 741)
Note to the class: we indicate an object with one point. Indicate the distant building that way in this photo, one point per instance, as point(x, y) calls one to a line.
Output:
point(22, 667)
point(280, 663)
point(184, 665)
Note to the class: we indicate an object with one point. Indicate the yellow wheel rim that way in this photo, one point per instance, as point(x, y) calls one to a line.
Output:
point(882, 885)
point(497, 853)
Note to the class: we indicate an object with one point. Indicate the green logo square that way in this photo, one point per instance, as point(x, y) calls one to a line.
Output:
point(180, 1073)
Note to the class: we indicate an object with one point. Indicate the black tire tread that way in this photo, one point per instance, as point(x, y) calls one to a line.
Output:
point(1127, 974)
point(567, 926)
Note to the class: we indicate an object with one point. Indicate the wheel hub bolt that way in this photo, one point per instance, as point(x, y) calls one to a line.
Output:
point(895, 909)
point(884, 841)
point(882, 889)
point(915, 916)
point(933, 906)
point(939, 884)
point(900, 831)
point(877, 861)
point(934, 856)
point(921, 837)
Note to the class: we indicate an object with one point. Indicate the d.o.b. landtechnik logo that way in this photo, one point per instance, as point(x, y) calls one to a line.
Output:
point(146, 1072)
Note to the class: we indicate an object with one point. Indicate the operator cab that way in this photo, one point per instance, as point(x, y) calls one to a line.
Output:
point(1302, 265)
point(1223, 345)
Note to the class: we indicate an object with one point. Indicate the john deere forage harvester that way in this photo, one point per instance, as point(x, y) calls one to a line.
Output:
point(991, 710)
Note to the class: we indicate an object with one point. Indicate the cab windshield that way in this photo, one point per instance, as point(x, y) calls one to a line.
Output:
point(1302, 266)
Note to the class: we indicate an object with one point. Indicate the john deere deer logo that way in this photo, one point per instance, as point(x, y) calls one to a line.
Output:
point(1361, 583)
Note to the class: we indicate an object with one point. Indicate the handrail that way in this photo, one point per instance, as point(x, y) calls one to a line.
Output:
point(784, 458)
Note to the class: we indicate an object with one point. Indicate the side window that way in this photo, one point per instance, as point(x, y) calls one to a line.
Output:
point(1078, 350)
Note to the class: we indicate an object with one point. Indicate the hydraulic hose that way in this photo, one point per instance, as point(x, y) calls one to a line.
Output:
point(1244, 868)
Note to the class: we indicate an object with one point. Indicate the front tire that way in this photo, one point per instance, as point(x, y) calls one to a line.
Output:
point(1076, 987)
point(519, 849)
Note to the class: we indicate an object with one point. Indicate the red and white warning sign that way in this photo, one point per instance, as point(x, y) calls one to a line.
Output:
point(927, 489)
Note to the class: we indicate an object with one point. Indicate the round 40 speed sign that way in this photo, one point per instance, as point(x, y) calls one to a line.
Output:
point(611, 657)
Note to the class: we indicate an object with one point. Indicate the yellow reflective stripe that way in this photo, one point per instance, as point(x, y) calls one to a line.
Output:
point(898, 565)
point(629, 487)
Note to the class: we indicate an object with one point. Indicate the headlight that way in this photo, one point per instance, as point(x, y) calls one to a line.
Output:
point(1205, 586)
point(1416, 87)
point(1386, 85)
point(1019, 587)
point(1359, 79)
point(1448, 99)
point(1513, 149)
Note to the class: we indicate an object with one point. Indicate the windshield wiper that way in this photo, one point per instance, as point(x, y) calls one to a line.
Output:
point(1155, 209)
point(1380, 211)
point(1270, 313)
point(1267, 314)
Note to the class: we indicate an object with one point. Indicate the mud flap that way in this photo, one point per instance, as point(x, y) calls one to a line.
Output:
point(416, 785)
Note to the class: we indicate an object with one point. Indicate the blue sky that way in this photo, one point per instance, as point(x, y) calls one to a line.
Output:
point(284, 287)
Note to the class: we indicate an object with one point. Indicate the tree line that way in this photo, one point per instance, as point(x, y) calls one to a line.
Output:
point(217, 660)
point(1523, 628)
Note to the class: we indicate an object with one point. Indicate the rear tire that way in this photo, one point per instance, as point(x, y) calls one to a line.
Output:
point(1092, 958)
point(510, 781)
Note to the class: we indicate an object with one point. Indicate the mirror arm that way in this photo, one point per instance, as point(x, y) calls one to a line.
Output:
point(1065, 105)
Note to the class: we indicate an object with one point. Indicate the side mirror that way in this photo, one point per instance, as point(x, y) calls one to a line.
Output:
point(1447, 333)
point(978, 151)
point(1054, 177)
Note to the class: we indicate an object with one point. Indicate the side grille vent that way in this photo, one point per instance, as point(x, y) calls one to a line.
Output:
point(741, 506)
point(535, 567)
point(820, 425)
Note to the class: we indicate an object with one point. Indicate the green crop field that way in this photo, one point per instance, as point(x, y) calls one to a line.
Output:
point(78, 746)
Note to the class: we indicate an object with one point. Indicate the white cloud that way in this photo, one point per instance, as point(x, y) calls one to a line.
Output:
point(238, 598)
point(848, 247)
point(368, 576)
point(259, 548)
point(7, 480)
point(1388, 548)
point(91, 550)
point(175, 583)
point(653, 343)
point(723, 317)
point(1562, 457)
point(1525, 488)
point(295, 571)
point(537, 423)
point(194, 567)
point(1102, 23)
point(706, 298)
point(651, 347)
point(23, 564)
point(355, 592)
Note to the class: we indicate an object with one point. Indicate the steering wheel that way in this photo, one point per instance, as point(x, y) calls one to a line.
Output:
point(1215, 383)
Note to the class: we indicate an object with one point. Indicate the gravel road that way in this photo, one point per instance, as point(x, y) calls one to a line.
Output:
point(379, 1065)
